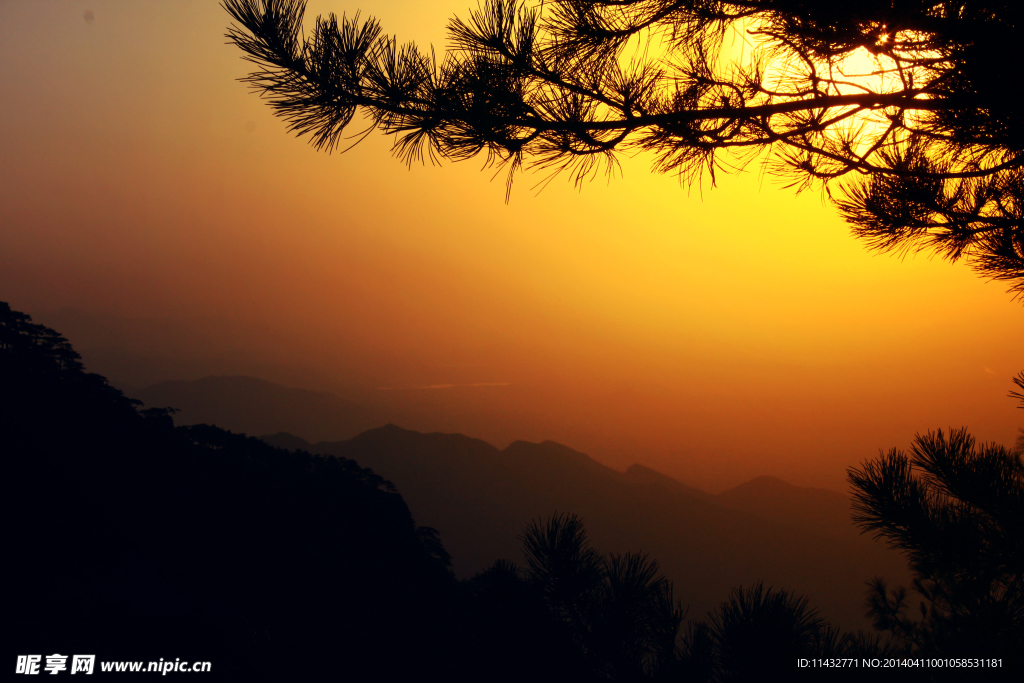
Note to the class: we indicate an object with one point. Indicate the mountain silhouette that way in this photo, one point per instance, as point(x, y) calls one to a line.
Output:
point(641, 474)
point(256, 406)
point(139, 539)
point(480, 498)
point(280, 558)
point(819, 511)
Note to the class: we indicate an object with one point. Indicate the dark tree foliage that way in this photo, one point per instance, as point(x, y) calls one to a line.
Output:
point(956, 508)
point(579, 615)
point(135, 540)
point(908, 109)
point(1019, 395)
point(760, 633)
point(26, 342)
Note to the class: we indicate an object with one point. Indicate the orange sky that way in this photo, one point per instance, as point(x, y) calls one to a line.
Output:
point(715, 334)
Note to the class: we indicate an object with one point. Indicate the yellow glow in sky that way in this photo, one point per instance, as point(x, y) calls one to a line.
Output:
point(715, 334)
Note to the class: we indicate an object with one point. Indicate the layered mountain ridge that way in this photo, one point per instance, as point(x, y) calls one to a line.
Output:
point(480, 497)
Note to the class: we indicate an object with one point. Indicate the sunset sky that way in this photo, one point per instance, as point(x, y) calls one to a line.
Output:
point(714, 334)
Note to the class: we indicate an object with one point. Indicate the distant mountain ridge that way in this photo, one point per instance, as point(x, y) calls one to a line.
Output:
point(815, 510)
point(480, 497)
point(642, 474)
point(257, 406)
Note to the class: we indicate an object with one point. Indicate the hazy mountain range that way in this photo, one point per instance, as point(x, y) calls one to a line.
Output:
point(255, 406)
point(480, 497)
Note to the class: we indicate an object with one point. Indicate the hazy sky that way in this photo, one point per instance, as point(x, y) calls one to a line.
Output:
point(714, 334)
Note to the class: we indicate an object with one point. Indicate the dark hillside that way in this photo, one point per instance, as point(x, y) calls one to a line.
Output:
point(138, 540)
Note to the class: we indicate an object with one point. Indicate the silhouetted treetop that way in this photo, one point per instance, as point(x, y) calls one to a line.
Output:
point(41, 359)
point(1019, 395)
point(25, 341)
point(914, 104)
point(957, 509)
point(949, 503)
point(591, 617)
